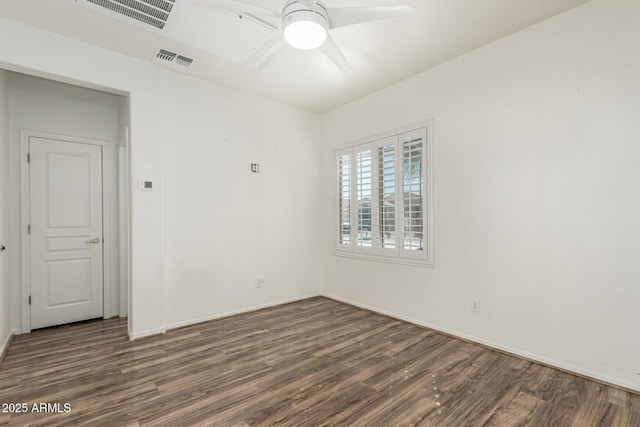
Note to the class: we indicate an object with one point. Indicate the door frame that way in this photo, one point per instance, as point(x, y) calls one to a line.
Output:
point(25, 279)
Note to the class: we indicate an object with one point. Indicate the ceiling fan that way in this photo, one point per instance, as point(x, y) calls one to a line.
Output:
point(305, 24)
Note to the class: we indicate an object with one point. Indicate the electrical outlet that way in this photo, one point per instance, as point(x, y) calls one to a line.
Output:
point(260, 283)
point(475, 305)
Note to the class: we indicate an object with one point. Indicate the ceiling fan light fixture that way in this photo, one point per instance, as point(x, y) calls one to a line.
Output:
point(305, 29)
point(305, 35)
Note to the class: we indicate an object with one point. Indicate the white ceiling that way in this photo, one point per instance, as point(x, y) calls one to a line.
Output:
point(381, 53)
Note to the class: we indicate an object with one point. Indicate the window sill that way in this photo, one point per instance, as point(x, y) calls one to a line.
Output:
point(387, 259)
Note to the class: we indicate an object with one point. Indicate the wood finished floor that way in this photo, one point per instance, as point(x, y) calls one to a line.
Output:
point(315, 362)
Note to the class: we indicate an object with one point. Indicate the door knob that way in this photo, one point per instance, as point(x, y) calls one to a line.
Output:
point(95, 240)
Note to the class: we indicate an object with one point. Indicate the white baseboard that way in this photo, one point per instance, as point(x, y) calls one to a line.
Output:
point(134, 335)
point(5, 344)
point(239, 311)
point(514, 351)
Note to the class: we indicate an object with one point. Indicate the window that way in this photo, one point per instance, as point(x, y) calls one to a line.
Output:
point(384, 198)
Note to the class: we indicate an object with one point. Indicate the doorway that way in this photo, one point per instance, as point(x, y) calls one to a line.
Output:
point(69, 162)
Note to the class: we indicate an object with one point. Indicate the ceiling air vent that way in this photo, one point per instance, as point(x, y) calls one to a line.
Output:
point(172, 60)
point(150, 12)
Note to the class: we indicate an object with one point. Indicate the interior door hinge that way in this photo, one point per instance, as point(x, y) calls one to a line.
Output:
point(28, 157)
point(29, 299)
point(29, 229)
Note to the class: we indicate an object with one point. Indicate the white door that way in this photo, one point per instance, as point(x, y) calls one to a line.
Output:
point(65, 210)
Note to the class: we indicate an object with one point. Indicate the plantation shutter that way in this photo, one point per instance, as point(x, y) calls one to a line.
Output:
point(343, 201)
point(412, 147)
point(363, 199)
point(387, 196)
point(383, 199)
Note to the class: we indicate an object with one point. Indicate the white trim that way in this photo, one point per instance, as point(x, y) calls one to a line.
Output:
point(383, 258)
point(25, 279)
point(136, 335)
point(4, 347)
point(107, 234)
point(239, 311)
point(47, 75)
point(163, 222)
point(514, 351)
point(393, 132)
point(147, 333)
point(123, 235)
point(430, 189)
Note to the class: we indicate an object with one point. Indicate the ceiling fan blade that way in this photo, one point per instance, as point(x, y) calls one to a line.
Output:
point(241, 7)
point(333, 52)
point(267, 51)
point(265, 11)
point(343, 16)
point(311, 4)
point(253, 18)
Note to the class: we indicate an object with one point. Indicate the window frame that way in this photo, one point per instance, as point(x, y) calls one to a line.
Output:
point(376, 252)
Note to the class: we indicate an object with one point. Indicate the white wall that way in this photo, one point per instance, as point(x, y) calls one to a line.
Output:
point(177, 137)
point(536, 194)
point(37, 104)
point(5, 278)
point(53, 56)
point(224, 225)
